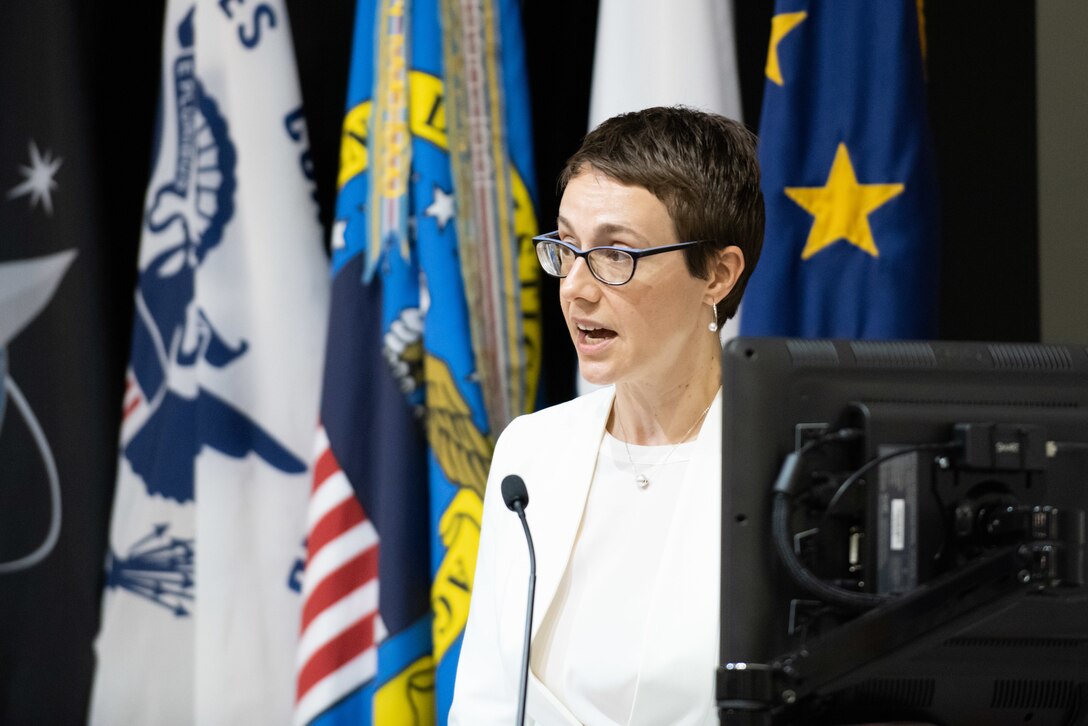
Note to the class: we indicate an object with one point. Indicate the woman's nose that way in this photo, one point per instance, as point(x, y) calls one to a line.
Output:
point(579, 282)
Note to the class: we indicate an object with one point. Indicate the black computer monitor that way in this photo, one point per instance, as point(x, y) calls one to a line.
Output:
point(903, 533)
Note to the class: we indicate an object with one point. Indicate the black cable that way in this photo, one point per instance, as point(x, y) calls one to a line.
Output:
point(784, 490)
point(801, 575)
point(838, 436)
point(872, 463)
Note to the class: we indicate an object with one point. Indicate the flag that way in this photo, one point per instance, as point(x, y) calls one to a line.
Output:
point(848, 176)
point(680, 53)
point(57, 362)
point(650, 53)
point(203, 580)
point(433, 346)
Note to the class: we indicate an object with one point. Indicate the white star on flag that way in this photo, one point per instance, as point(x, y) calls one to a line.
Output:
point(339, 227)
point(441, 208)
point(38, 183)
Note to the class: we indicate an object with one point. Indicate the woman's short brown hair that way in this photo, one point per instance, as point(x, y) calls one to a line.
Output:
point(704, 169)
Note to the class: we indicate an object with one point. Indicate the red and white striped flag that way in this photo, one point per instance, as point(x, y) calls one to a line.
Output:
point(340, 625)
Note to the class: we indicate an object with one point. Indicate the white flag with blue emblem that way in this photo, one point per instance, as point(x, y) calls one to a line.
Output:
point(201, 609)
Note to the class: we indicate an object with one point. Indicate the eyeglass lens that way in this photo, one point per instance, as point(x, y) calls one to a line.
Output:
point(610, 266)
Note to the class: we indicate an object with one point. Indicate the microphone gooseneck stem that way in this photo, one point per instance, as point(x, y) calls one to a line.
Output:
point(523, 687)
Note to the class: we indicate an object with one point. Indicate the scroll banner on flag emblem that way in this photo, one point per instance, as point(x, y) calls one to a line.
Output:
point(433, 347)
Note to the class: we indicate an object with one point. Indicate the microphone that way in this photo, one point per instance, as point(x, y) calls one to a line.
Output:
point(515, 494)
point(516, 497)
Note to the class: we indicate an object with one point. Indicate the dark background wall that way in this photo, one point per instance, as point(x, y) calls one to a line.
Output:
point(981, 71)
point(982, 89)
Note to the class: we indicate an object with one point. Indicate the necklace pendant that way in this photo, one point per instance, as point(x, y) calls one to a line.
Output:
point(642, 481)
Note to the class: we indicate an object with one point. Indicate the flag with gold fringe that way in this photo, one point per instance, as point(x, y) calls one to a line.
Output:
point(433, 346)
point(851, 248)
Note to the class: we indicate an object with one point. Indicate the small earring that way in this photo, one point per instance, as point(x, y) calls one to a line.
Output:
point(713, 327)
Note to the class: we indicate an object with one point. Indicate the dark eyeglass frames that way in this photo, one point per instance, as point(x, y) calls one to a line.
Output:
point(610, 265)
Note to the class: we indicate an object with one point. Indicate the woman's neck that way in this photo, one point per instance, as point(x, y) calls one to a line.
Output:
point(662, 413)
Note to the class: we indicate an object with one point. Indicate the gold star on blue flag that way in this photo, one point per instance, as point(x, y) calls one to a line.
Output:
point(851, 247)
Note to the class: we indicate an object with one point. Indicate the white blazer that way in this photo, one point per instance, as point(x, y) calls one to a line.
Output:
point(555, 452)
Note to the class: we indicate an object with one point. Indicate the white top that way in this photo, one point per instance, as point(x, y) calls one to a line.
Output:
point(679, 652)
point(607, 589)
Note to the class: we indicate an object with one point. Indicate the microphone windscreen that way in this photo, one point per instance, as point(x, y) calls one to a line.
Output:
point(513, 491)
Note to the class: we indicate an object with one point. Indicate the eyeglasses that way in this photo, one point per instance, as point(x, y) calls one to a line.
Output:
point(610, 265)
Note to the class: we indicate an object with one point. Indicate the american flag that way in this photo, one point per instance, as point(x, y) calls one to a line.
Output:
point(340, 624)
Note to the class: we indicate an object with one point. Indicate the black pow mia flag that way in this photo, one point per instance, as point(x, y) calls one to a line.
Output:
point(71, 176)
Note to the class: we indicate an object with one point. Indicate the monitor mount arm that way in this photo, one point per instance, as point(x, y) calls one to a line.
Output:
point(1043, 548)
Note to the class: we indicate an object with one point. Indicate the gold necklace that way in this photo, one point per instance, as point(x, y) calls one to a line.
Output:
point(641, 479)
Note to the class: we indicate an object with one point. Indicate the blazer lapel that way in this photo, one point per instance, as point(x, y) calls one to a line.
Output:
point(563, 498)
point(542, 707)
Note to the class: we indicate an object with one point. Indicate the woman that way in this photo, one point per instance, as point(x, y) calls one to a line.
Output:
point(660, 225)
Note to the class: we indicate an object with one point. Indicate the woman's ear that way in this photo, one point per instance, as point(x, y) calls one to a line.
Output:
point(725, 269)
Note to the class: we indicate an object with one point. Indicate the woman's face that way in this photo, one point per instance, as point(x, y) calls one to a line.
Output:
point(650, 329)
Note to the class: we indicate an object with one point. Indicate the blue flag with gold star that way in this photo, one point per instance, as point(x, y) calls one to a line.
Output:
point(851, 248)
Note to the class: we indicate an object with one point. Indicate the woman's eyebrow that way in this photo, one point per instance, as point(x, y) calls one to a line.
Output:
point(605, 228)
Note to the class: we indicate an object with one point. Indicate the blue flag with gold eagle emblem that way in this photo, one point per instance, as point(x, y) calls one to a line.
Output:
point(851, 248)
point(433, 345)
